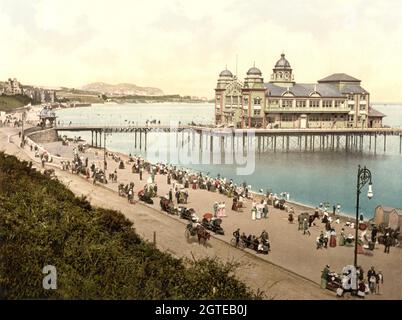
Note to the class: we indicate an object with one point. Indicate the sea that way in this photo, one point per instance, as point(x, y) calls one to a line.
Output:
point(309, 177)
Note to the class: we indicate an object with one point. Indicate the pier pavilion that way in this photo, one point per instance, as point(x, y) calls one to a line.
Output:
point(336, 101)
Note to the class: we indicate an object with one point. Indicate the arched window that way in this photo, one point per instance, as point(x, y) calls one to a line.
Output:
point(257, 100)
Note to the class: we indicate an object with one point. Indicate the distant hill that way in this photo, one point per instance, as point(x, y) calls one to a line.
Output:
point(121, 89)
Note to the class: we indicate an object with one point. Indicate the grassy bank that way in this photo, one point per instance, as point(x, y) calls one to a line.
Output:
point(97, 253)
point(9, 103)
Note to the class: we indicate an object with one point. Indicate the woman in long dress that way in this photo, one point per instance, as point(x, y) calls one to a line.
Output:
point(223, 209)
point(332, 239)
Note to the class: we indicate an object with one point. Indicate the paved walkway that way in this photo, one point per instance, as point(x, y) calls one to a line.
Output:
point(290, 249)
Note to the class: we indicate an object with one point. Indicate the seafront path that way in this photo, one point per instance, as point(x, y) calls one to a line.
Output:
point(277, 274)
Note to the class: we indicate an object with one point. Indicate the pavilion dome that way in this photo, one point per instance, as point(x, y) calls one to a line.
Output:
point(226, 73)
point(282, 63)
point(253, 71)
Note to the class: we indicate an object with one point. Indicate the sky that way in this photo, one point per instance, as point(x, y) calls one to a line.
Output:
point(181, 46)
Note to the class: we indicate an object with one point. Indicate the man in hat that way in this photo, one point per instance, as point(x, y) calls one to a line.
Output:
point(372, 278)
point(387, 243)
point(236, 234)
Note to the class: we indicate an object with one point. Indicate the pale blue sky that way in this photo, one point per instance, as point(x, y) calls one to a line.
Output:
point(181, 46)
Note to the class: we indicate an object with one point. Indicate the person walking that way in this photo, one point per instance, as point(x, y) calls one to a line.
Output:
point(265, 210)
point(170, 195)
point(236, 234)
point(216, 206)
point(387, 243)
point(141, 170)
point(380, 280)
point(372, 279)
point(324, 277)
point(305, 227)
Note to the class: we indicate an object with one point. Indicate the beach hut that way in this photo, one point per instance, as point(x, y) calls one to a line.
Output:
point(395, 219)
point(388, 217)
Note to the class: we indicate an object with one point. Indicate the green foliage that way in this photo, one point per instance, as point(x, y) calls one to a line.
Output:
point(8, 103)
point(96, 251)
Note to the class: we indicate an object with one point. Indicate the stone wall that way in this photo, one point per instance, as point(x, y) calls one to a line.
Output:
point(44, 136)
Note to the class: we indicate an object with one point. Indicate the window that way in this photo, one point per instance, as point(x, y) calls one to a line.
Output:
point(338, 103)
point(218, 98)
point(287, 103)
point(287, 118)
point(245, 101)
point(257, 112)
point(301, 103)
point(257, 100)
point(327, 103)
point(362, 107)
point(314, 103)
point(363, 97)
point(314, 118)
point(274, 102)
point(351, 97)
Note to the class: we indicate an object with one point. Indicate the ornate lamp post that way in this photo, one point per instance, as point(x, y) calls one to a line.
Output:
point(363, 176)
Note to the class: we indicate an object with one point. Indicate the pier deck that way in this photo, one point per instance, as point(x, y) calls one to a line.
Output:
point(299, 139)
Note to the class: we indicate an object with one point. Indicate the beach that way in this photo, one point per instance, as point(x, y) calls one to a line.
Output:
point(292, 252)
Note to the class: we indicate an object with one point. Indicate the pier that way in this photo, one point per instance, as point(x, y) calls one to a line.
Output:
point(266, 139)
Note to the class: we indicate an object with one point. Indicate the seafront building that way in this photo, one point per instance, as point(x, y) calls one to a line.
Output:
point(12, 87)
point(336, 101)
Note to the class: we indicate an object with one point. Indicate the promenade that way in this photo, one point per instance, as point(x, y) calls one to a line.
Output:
point(291, 249)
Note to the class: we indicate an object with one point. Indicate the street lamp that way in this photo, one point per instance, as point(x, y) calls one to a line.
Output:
point(363, 176)
point(105, 133)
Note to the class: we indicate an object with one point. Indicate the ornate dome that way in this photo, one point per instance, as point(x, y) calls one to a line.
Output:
point(253, 71)
point(226, 73)
point(282, 62)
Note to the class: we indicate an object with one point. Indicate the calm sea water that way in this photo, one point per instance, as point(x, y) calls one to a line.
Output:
point(309, 177)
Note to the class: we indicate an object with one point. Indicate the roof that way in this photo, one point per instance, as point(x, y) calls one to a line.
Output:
point(389, 209)
point(353, 88)
point(339, 77)
point(254, 71)
point(226, 73)
point(304, 90)
point(47, 113)
point(282, 63)
point(375, 113)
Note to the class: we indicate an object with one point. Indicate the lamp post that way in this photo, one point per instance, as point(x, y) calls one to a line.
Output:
point(363, 176)
point(104, 154)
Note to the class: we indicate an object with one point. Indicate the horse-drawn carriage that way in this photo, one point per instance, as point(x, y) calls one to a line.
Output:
point(100, 177)
point(187, 214)
point(280, 204)
point(145, 197)
point(334, 281)
point(259, 246)
point(213, 224)
point(197, 230)
point(167, 206)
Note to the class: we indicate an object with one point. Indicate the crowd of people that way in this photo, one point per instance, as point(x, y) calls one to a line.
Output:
point(183, 179)
point(260, 244)
point(352, 280)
